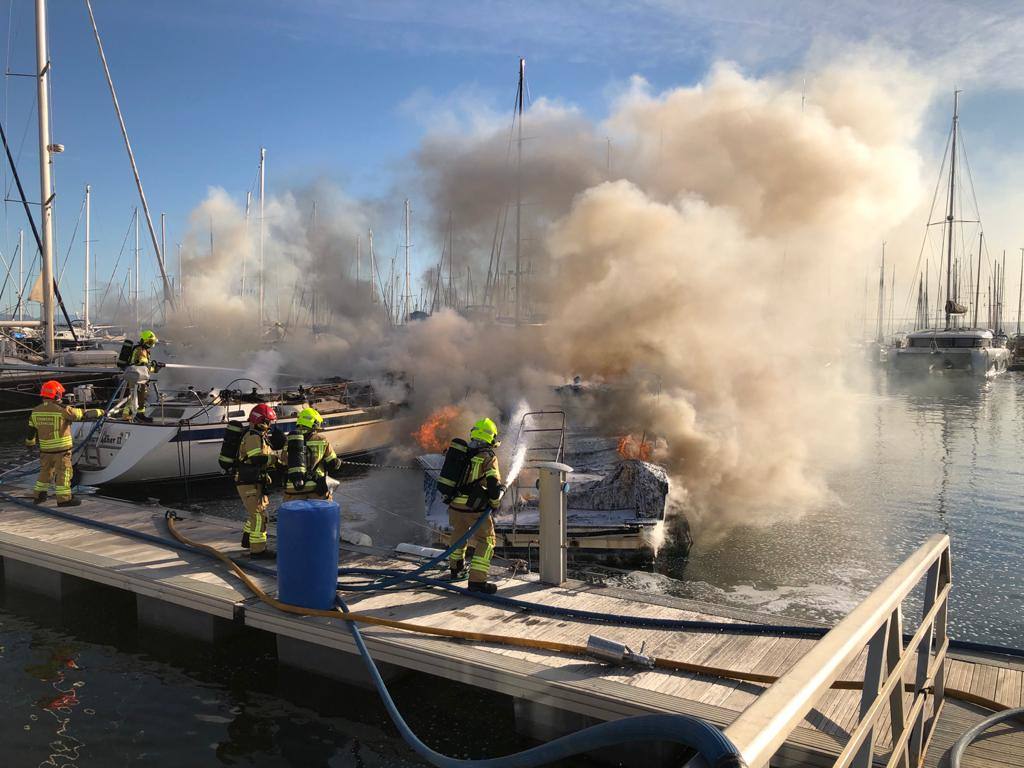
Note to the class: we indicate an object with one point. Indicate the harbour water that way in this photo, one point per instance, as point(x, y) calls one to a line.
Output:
point(79, 690)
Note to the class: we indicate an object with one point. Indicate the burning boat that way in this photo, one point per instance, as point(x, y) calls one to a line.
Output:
point(616, 502)
point(182, 437)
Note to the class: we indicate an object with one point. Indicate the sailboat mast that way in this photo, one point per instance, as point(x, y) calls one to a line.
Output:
point(977, 287)
point(881, 298)
point(20, 273)
point(1020, 293)
point(85, 290)
point(373, 264)
point(451, 266)
point(892, 302)
point(45, 187)
point(137, 323)
point(263, 158)
point(1002, 289)
point(408, 275)
point(952, 200)
point(519, 189)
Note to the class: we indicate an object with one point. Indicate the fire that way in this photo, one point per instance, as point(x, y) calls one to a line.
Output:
point(630, 447)
point(434, 434)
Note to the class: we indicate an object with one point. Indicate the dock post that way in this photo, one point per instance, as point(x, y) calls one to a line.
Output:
point(552, 486)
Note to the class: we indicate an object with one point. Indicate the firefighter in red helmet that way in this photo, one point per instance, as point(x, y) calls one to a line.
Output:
point(49, 427)
point(256, 457)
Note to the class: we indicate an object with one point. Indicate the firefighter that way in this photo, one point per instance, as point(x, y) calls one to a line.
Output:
point(310, 456)
point(49, 426)
point(479, 494)
point(256, 457)
point(136, 405)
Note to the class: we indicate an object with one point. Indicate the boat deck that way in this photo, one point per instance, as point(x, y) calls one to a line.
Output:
point(574, 686)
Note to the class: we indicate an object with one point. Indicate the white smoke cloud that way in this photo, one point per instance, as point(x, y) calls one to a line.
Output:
point(708, 280)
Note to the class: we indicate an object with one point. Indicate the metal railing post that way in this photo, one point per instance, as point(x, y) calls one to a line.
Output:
point(874, 676)
point(924, 657)
point(552, 487)
point(897, 712)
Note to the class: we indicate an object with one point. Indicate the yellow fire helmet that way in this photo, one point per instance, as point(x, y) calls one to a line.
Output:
point(486, 431)
point(309, 418)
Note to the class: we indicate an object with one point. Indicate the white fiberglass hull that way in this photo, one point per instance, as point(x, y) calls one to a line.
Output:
point(124, 452)
point(982, 362)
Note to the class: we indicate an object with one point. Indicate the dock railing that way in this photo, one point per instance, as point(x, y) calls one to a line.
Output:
point(877, 623)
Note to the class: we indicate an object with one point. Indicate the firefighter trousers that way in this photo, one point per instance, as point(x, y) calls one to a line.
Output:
point(256, 502)
point(483, 541)
point(55, 468)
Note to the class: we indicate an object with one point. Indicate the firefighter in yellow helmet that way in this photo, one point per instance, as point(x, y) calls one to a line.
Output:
point(49, 427)
point(139, 393)
point(479, 493)
point(310, 456)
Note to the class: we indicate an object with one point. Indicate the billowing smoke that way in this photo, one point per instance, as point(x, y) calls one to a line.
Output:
point(698, 254)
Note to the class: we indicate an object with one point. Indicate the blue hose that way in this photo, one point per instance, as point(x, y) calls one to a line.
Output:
point(965, 741)
point(634, 621)
point(713, 745)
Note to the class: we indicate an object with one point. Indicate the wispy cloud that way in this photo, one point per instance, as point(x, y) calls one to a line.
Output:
point(973, 43)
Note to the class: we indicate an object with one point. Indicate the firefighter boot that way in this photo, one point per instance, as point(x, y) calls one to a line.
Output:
point(485, 587)
point(245, 540)
point(458, 569)
point(39, 498)
point(69, 503)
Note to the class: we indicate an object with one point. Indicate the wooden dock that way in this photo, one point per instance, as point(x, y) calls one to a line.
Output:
point(554, 693)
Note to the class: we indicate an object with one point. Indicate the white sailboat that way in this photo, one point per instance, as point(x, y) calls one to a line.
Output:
point(182, 439)
point(954, 348)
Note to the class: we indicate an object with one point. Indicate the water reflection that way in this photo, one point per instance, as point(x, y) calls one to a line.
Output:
point(943, 457)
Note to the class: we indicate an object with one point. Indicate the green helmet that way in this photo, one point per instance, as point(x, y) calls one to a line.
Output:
point(486, 431)
point(309, 418)
point(148, 338)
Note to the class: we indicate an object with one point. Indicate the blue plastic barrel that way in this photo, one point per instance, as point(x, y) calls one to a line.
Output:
point(307, 553)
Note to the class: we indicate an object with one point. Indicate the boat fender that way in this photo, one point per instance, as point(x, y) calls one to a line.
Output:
point(124, 355)
point(453, 471)
point(229, 445)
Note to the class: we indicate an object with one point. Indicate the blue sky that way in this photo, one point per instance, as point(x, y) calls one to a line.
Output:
point(332, 88)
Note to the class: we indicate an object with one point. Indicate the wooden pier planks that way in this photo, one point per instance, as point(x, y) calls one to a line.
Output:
point(576, 684)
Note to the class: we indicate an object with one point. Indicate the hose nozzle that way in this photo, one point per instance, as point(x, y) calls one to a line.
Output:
point(618, 653)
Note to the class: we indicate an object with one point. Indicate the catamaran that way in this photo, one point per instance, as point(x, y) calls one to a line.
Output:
point(955, 348)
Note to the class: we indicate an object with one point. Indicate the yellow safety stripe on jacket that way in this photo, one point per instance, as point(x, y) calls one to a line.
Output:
point(319, 451)
point(140, 356)
point(480, 468)
point(50, 424)
point(254, 443)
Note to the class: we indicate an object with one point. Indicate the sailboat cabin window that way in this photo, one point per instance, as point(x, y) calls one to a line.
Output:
point(945, 342)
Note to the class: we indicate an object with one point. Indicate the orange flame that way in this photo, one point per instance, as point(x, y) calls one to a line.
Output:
point(434, 434)
point(631, 447)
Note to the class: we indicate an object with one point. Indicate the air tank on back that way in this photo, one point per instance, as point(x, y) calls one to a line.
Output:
point(307, 553)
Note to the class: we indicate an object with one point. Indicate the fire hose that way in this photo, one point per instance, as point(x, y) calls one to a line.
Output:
point(634, 729)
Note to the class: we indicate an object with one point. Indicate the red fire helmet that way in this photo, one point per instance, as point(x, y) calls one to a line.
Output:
point(52, 390)
point(262, 414)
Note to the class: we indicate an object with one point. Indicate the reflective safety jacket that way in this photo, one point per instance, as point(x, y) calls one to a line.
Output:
point(140, 356)
point(482, 487)
point(49, 425)
point(310, 456)
point(255, 456)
